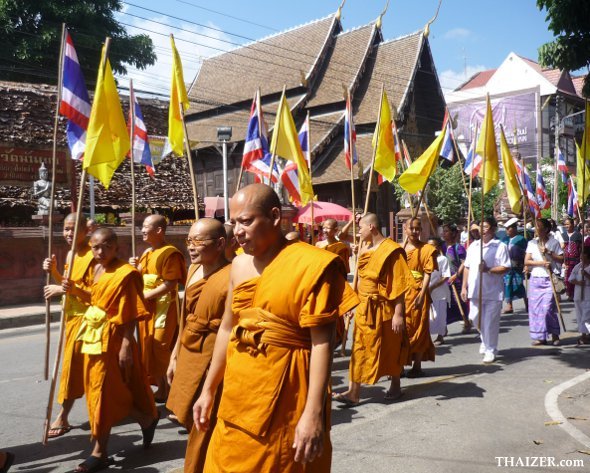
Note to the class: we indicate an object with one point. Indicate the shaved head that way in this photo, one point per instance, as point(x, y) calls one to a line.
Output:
point(72, 218)
point(209, 228)
point(292, 236)
point(107, 234)
point(330, 222)
point(371, 219)
point(158, 221)
point(259, 196)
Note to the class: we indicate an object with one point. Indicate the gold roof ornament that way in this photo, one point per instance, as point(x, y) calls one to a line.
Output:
point(379, 21)
point(427, 27)
point(339, 11)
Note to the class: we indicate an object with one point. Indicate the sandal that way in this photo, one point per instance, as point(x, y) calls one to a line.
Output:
point(92, 464)
point(389, 396)
point(148, 433)
point(339, 397)
point(55, 432)
point(538, 343)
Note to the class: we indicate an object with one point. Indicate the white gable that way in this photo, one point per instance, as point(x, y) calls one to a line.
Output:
point(516, 73)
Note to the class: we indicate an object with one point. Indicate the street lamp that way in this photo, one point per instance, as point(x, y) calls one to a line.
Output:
point(224, 135)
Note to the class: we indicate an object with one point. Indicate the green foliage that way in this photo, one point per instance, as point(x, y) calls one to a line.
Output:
point(30, 32)
point(489, 200)
point(569, 20)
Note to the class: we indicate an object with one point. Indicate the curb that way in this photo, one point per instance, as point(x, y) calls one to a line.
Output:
point(38, 318)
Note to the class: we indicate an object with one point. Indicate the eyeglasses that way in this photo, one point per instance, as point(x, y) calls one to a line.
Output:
point(195, 242)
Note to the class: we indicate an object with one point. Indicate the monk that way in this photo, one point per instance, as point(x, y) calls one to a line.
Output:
point(162, 267)
point(332, 244)
point(274, 346)
point(421, 261)
point(231, 244)
point(115, 382)
point(293, 236)
point(205, 296)
point(71, 385)
point(380, 344)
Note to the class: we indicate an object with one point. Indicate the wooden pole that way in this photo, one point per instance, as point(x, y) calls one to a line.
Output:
point(132, 162)
point(377, 132)
point(51, 199)
point(259, 112)
point(187, 147)
point(555, 295)
point(462, 312)
point(310, 176)
point(274, 150)
point(483, 184)
point(459, 160)
point(404, 167)
point(469, 200)
point(582, 207)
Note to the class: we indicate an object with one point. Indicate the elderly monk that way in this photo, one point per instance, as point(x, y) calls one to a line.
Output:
point(205, 296)
point(71, 385)
point(380, 345)
point(162, 267)
point(274, 346)
point(115, 382)
point(421, 261)
point(332, 244)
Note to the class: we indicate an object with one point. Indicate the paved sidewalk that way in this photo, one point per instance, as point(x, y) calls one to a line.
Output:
point(27, 314)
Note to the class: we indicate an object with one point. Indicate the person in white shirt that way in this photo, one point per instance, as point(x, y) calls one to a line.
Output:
point(544, 256)
point(582, 278)
point(495, 263)
point(439, 293)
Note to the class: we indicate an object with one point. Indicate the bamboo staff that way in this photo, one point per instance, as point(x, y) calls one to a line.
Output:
point(404, 167)
point(459, 161)
point(483, 184)
point(51, 199)
point(310, 175)
point(585, 137)
point(187, 148)
point(277, 131)
point(555, 295)
point(458, 300)
point(469, 198)
point(377, 132)
point(132, 162)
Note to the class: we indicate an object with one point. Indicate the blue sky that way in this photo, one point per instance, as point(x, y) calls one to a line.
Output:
point(468, 36)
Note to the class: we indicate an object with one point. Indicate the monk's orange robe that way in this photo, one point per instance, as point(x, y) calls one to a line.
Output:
point(117, 299)
point(266, 377)
point(71, 385)
point(421, 260)
point(342, 250)
point(204, 305)
point(157, 333)
point(377, 350)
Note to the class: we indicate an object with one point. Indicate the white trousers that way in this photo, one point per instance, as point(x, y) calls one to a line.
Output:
point(490, 322)
point(438, 318)
point(583, 315)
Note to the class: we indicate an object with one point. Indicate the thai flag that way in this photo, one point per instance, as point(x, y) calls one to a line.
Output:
point(561, 166)
point(141, 147)
point(447, 152)
point(542, 197)
point(528, 189)
point(397, 147)
point(349, 136)
point(256, 135)
point(473, 161)
point(75, 103)
point(572, 198)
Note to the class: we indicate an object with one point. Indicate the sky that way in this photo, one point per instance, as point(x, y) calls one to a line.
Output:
point(467, 36)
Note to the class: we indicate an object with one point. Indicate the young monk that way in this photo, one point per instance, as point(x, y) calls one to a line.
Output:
point(71, 385)
point(380, 344)
point(115, 382)
point(285, 300)
point(421, 261)
point(205, 296)
point(332, 244)
point(162, 267)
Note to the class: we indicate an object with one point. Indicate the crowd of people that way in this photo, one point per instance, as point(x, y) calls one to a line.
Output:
point(243, 361)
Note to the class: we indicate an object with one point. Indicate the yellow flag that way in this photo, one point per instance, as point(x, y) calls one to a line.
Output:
point(285, 143)
point(178, 96)
point(583, 156)
point(510, 176)
point(416, 176)
point(383, 141)
point(107, 138)
point(486, 147)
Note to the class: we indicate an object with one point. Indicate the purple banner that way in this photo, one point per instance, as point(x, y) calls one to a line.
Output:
point(514, 113)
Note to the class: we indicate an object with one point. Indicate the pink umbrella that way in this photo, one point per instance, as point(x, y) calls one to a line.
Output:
point(214, 206)
point(322, 211)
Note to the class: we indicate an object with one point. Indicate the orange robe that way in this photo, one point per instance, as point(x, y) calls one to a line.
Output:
point(118, 295)
point(71, 385)
point(204, 306)
point(266, 377)
point(377, 351)
point(342, 250)
point(157, 333)
point(421, 260)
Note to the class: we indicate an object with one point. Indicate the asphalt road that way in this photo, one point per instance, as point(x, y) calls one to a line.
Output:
point(463, 417)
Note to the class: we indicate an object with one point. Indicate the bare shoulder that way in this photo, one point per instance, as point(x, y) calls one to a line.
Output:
point(242, 269)
point(321, 244)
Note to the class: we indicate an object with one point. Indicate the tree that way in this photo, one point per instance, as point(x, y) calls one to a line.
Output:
point(570, 22)
point(30, 33)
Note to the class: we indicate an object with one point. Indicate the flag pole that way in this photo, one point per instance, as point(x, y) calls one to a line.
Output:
point(274, 150)
point(258, 107)
point(310, 176)
point(470, 216)
point(583, 207)
point(132, 162)
point(187, 148)
point(377, 132)
point(51, 199)
point(483, 185)
point(456, 148)
point(404, 168)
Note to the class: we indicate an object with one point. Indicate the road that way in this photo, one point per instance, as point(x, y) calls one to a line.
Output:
point(463, 417)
